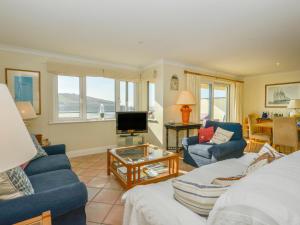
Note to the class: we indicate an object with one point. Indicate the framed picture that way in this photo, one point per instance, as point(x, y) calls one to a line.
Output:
point(279, 95)
point(25, 86)
point(174, 84)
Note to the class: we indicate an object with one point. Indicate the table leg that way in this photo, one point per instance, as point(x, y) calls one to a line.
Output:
point(167, 138)
point(108, 162)
point(188, 132)
point(177, 148)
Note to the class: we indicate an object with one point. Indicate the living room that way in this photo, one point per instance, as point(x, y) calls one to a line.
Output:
point(75, 68)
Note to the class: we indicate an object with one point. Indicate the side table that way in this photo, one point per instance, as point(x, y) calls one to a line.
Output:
point(178, 127)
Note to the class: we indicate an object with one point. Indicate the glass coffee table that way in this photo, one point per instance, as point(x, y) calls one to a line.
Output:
point(141, 164)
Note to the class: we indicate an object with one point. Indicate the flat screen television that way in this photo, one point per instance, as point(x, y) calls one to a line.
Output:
point(132, 122)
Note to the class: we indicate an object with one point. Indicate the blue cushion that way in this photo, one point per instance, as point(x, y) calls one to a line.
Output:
point(201, 150)
point(53, 179)
point(48, 163)
point(233, 127)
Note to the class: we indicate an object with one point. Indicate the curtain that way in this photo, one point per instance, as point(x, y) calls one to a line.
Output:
point(193, 85)
point(237, 100)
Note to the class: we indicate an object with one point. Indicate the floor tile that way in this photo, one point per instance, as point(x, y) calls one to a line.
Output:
point(107, 196)
point(85, 180)
point(115, 216)
point(114, 185)
point(96, 212)
point(98, 182)
point(92, 192)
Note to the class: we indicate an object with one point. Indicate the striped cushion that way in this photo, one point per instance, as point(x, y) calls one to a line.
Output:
point(270, 150)
point(226, 181)
point(261, 161)
point(198, 197)
point(221, 136)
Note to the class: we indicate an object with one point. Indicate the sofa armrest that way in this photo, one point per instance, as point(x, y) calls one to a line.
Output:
point(190, 141)
point(59, 201)
point(55, 149)
point(234, 148)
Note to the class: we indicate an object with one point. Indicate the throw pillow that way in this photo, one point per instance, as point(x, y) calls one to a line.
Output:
point(261, 161)
point(198, 197)
point(270, 150)
point(226, 181)
point(205, 134)
point(221, 136)
point(14, 183)
point(40, 151)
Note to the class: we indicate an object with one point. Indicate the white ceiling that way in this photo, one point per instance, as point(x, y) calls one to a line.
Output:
point(241, 37)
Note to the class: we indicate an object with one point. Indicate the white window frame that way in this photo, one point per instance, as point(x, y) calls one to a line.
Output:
point(148, 107)
point(82, 102)
point(211, 110)
point(118, 98)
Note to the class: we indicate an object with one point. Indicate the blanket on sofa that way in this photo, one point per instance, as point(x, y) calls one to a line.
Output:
point(154, 204)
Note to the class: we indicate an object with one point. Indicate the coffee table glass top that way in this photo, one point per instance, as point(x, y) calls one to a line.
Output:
point(138, 155)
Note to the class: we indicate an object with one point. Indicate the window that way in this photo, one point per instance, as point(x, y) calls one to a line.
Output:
point(128, 96)
point(151, 100)
point(92, 98)
point(100, 98)
point(214, 102)
point(68, 94)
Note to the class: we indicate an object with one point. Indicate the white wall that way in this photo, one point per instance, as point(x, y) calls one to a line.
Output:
point(254, 91)
point(74, 135)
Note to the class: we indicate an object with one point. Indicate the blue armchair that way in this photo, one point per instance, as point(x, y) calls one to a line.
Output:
point(201, 154)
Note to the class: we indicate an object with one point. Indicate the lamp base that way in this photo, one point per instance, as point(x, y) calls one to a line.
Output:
point(185, 113)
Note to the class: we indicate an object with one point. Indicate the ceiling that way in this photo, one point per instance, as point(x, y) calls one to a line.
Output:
point(237, 37)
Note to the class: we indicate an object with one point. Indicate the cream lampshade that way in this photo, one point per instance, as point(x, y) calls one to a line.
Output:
point(26, 110)
point(16, 146)
point(294, 104)
point(186, 99)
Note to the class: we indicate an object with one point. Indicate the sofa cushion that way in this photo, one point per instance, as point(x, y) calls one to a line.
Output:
point(14, 183)
point(233, 127)
point(205, 134)
point(48, 163)
point(201, 150)
point(53, 179)
point(40, 151)
point(221, 136)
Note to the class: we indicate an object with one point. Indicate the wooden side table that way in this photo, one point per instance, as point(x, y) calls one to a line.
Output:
point(178, 127)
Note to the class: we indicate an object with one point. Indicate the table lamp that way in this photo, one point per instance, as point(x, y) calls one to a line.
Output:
point(294, 104)
point(186, 99)
point(26, 110)
point(16, 146)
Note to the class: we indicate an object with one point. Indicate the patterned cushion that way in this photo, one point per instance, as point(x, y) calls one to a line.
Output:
point(40, 151)
point(221, 136)
point(261, 161)
point(270, 150)
point(14, 183)
point(205, 134)
point(198, 197)
point(226, 181)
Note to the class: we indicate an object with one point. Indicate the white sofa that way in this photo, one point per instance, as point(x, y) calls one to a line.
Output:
point(269, 196)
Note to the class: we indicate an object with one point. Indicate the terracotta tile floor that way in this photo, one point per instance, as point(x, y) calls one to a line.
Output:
point(104, 192)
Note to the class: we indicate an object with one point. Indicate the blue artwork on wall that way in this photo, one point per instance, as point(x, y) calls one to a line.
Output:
point(23, 88)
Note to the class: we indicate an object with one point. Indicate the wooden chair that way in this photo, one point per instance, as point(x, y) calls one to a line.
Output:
point(256, 137)
point(285, 135)
point(44, 219)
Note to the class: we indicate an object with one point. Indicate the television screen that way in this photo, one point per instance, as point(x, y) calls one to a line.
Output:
point(132, 122)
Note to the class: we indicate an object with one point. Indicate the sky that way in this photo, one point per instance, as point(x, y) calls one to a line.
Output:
point(97, 87)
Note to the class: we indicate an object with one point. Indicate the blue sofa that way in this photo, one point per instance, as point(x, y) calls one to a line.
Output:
point(197, 154)
point(57, 188)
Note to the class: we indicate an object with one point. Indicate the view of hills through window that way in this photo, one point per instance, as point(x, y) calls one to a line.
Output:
point(100, 97)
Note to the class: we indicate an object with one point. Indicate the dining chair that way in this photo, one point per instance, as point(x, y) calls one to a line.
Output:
point(256, 137)
point(285, 134)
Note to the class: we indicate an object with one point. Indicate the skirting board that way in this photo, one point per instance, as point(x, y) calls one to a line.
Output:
point(88, 151)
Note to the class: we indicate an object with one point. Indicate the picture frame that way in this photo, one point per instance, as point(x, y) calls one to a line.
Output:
point(174, 83)
point(278, 95)
point(25, 85)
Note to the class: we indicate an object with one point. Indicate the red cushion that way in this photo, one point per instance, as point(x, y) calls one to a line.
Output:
point(205, 134)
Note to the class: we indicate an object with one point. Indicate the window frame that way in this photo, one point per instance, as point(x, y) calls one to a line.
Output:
point(83, 101)
point(211, 86)
point(148, 99)
point(136, 99)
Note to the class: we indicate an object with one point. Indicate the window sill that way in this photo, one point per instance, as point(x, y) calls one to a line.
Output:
point(78, 121)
